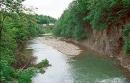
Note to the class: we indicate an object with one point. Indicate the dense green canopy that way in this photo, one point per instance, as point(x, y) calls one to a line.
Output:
point(16, 27)
point(97, 14)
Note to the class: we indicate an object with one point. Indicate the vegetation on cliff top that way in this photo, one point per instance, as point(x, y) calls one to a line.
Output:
point(82, 15)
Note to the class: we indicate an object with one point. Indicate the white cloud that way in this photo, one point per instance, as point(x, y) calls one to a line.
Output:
point(52, 8)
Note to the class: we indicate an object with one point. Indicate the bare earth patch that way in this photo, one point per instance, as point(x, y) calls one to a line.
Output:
point(62, 46)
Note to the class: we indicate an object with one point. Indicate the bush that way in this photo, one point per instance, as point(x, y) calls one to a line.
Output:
point(24, 76)
point(69, 26)
point(42, 64)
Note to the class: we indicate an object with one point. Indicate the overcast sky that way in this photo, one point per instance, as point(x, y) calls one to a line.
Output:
point(52, 8)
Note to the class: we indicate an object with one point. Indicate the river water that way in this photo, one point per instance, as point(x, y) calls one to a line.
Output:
point(88, 67)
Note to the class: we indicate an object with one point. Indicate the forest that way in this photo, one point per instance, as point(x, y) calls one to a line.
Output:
point(82, 15)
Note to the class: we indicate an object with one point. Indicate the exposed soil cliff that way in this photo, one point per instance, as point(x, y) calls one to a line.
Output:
point(108, 42)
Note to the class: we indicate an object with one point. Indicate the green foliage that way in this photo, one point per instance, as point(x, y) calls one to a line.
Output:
point(99, 14)
point(106, 12)
point(70, 25)
point(42, 64)
point(79, 33)
point(44, 19)
point(7, 72)
point(48, 29)
point(126, 35)
point(15, 27)
point(87, 15)
point(24, 76)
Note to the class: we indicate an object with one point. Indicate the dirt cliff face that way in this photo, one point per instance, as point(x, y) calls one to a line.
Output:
point(109, 42)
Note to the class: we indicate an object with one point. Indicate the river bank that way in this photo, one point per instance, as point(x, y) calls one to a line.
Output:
point(88, 67)
point(72, 47)
point(61, 45)
point(124, 61)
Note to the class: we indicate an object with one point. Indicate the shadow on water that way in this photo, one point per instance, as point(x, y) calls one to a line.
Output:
point(88, 67)
point(24, 58)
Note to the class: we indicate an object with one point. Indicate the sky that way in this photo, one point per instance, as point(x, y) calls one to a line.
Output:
point(52, 8)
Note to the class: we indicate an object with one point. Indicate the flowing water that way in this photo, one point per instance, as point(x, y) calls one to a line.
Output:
point(88, 67)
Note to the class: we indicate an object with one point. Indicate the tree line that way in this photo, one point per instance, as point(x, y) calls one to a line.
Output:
point(15, 28)
point(83, 15)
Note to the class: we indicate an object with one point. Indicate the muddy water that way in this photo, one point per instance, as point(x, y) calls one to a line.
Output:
point(88, 67)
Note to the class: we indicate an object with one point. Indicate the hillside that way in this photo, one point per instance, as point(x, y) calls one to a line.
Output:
point(103, 26)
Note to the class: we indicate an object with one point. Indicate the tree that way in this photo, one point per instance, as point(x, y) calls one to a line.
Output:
point(8, 7)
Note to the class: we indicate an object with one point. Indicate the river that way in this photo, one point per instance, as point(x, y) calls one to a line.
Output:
point(88, 67)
